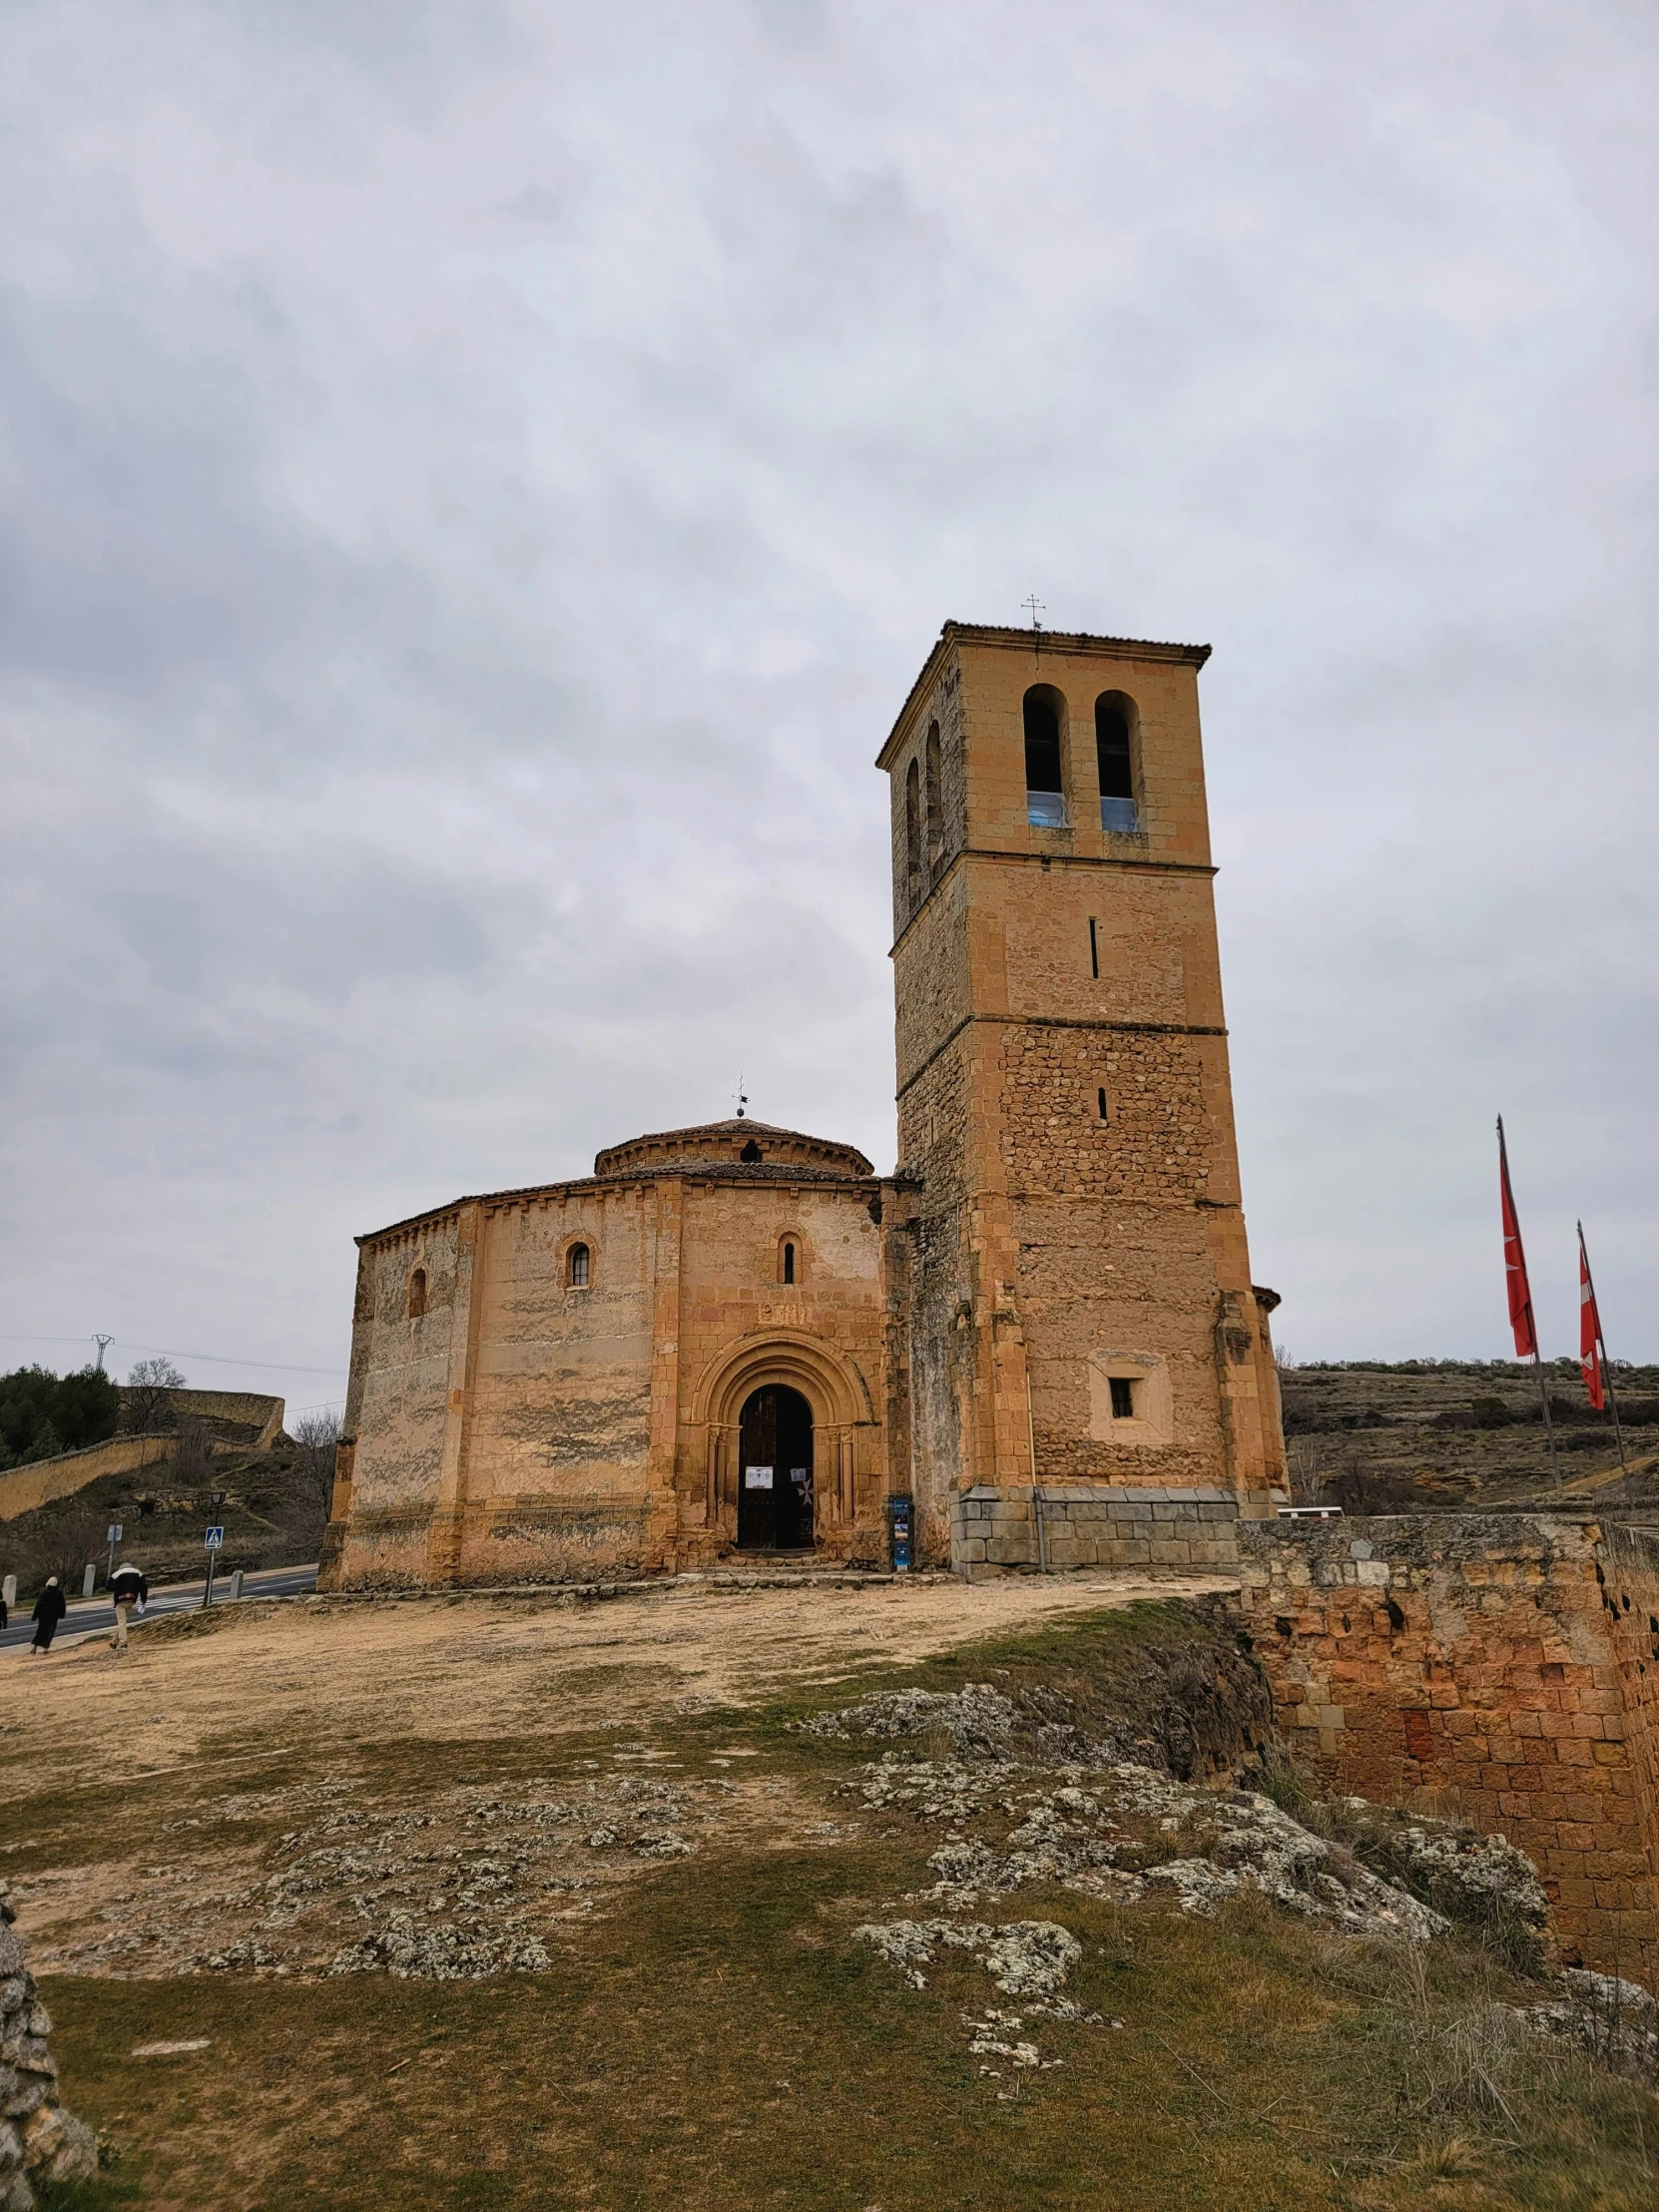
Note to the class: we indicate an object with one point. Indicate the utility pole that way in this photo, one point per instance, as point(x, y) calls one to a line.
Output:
point(103, 1343)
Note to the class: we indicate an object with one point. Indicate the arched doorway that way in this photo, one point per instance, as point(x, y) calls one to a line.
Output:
point(775, 1472)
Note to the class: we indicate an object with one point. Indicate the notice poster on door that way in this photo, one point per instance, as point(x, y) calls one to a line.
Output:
point(799, 1474)
point(757, 1478)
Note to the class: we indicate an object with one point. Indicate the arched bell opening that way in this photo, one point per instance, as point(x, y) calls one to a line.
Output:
point(774, 1470)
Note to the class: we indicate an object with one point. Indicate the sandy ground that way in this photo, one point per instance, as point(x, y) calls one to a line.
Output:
point(268, 1831)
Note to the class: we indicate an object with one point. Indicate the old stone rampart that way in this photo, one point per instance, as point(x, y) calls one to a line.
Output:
point(253, 1410)
point(257, 1416)
point(1503, 1667)
point(23, 1488)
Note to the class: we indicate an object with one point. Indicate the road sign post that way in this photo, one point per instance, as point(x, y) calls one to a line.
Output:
point(113, 1540)
point(216, 1537)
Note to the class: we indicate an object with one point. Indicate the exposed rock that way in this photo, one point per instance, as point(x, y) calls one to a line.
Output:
point(1025, 1959)
point(445, 1952)
point(1104, 1831)
point(1246, 1842)
point(976, 1719)
point(39, 2140)
point(1482, 1881)
point(1615, 2020)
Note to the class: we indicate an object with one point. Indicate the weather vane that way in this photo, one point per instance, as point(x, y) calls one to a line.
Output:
point(1037, 607)
point(743, 1097)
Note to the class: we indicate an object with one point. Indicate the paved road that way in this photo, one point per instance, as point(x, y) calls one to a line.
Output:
point(87, 1615)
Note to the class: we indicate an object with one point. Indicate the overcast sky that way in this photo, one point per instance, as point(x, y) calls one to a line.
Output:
point(476, 481)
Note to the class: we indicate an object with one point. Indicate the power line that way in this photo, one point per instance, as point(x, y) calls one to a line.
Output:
point(166, 1351)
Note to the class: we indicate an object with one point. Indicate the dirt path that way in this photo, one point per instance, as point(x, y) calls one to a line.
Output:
point(446, 1670)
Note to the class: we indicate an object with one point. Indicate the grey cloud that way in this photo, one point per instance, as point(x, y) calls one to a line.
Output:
point(480, 482)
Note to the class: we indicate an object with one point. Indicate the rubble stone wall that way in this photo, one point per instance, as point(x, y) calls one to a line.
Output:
point(1486, 1664)
point(39, 2140)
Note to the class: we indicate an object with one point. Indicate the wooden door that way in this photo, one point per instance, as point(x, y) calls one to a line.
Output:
point(775, 1472)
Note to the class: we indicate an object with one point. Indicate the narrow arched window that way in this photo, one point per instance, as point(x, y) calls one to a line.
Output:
point(1045, 803)
point(912, 833)
point(786, 1271)
point(418, 1294)
point(579, 1267)
point(935, 799)
point(1114, 742)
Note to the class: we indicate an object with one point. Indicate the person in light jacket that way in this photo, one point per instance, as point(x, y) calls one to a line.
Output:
point(128, 1588)
point(50, 1608)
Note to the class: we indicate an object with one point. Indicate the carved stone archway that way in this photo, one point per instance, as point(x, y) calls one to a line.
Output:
point(831, 1386)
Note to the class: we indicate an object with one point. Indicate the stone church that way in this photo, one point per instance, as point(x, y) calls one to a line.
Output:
point(736, 1343)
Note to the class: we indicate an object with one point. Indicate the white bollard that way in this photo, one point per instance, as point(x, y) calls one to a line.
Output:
point(236, 1583)
point(8, 1592)
point(89, 1579)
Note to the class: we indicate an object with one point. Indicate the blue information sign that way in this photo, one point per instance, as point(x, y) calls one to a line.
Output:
point(216, 1537)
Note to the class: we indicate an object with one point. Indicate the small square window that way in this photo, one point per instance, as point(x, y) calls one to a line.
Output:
point(1123, 1397)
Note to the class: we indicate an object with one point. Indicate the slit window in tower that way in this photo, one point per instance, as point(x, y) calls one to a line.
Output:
point(934, 788)
point(1114, 729)
point(1045, 792)
point(789, 1262)
point(913, 834)
point(1104, 1112)
point(1094, 949)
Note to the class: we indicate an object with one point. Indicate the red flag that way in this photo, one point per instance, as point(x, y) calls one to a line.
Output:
point(1514, 1262)
point(1589, 1329)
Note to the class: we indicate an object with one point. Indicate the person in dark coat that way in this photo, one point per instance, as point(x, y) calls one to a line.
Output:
point(128, 1588)
point(50, 1608)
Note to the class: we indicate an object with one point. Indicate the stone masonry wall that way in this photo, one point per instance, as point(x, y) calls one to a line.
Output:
point(1049, 964)
point(1018, 1529)
point(1629, 1562)
point(1153, 1144)
point(1475, 1658)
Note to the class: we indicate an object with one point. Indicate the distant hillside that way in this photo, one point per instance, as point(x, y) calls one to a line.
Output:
point(1412, 1435)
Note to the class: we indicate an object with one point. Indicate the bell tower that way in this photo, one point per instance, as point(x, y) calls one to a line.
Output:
point(1084, 1341)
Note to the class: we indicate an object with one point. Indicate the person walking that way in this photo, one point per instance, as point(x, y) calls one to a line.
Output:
point(50, 1608)
point(128, 1588)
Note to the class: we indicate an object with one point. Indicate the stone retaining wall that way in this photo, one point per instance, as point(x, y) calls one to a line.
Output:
point(1016, 1529)
point(41, 1480)
point(1498, 1663)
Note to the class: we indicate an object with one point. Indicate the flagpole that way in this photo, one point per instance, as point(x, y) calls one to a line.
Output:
point(1606, 1363)
point(1543, 1400)
point(1531, 1320)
